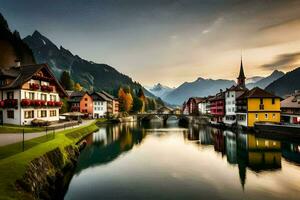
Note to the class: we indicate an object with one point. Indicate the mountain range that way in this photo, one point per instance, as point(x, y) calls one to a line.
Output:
point(263, 82)
point(198, 88)
point(89, 74)
point(287, 84)
point(205, 87)
point(160, 90)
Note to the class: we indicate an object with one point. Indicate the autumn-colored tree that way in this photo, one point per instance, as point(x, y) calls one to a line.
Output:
point(78, 87)
point(125, 99)
point(143, 99)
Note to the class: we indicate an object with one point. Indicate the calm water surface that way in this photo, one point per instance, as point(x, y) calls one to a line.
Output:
point(131, 161)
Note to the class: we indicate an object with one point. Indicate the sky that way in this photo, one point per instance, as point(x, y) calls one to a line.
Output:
point(168, 41)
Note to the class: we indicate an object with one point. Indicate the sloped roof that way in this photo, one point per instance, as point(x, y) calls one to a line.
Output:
point(237, 88)
point(291, 102)
point(24, 73)
point(257, 93)
point(100, 97)
point(108, 95)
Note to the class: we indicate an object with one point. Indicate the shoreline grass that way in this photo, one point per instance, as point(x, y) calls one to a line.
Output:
point(13, 167)
point(7, 128)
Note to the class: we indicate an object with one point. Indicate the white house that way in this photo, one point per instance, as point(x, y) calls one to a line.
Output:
point(230, 103)
point(28, 93)
point(100, 106)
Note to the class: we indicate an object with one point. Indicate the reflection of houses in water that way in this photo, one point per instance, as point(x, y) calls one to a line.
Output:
point(231, 147)
point(257, 154)
point(205, 136)
point(291, 152)
point(219, 141)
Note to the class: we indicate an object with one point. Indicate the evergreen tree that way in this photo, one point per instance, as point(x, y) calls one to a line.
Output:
point(137, 104)
point(66, 81)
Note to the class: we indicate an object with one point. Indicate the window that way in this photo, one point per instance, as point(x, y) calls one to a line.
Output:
point(31, 95)
point(261, 101)
point(85, 105)
point(44, 97)
point(274, 116)
point(29, 114)
point(10, 114)
point(228, 94)
point(256, 116)
point(43, 113)
point(52, 97)
point(273, 101)
point(85, 99)
point(266, 116)
point(10, 95)
point(52, 113)
point(261, 106)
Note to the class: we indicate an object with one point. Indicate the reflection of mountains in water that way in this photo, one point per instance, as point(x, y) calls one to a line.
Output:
point(107, 144)
point(246, 150)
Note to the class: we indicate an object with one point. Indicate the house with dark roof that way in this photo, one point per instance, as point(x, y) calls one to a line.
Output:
point(81, 102)
point(113, 103)
point(29, 92)
point(290, 109)
point(191, 107)
point(100, 102)
point(257, 105)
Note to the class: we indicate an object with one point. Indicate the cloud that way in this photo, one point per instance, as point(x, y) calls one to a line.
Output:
point(284, 61)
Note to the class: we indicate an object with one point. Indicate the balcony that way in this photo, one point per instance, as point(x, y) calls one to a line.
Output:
point(39, 103)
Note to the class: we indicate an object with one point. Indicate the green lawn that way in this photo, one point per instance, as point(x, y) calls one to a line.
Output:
point(14, 164)
point(7, 128)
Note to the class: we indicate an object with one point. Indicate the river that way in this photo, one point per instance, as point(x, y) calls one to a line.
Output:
point(132, 161)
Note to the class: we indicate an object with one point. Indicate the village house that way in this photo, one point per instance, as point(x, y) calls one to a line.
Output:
point(191, 106)
point(217, 107)
point(165, 110)
point(112, 104)
point(257, 105)
point(29, 92)
point(81, 102)
point(290, 109)
point(100, 104)
point(231, 95)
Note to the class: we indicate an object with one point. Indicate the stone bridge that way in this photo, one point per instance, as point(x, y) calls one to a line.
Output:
point(183, 119)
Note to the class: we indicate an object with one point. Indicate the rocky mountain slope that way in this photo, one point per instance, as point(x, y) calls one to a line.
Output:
point(264, 82)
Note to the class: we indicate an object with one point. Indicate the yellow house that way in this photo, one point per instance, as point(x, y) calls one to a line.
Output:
point(257, 105)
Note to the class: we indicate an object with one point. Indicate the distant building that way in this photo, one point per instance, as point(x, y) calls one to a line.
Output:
point(81, 102)
point(257, 105)
point(113, 103)
point(217, 107)
point(231, 95)
point(290, 109)
point(100, 102)
point(191, 107)
point(29, 92)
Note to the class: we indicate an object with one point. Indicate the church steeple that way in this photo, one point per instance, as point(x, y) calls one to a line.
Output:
point(241, 79)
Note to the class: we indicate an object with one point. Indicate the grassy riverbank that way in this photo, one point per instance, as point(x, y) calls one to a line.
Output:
point(13, 167)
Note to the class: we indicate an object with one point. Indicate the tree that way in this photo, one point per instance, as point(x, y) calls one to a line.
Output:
point(77, 87)
point(65, 106)
point(125, 99)
point(143, 99)
point(66, 81)
point(137, 104)
point(121, 97)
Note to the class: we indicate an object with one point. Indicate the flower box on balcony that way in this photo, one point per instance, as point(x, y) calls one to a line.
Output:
point(10, 103)
point(50, 103)
point(26, 102)
point(34, 86)
point(58, 103)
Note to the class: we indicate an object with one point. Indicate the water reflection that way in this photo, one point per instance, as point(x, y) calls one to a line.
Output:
point(139, 161)
point(246, 150)
point(108, 143)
